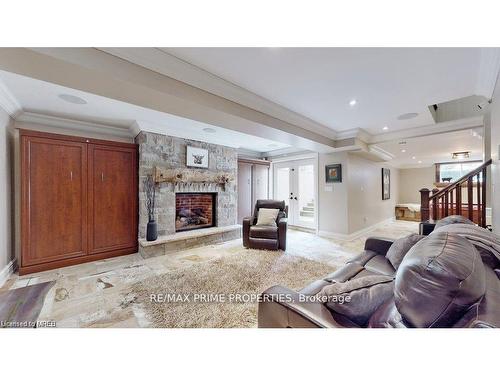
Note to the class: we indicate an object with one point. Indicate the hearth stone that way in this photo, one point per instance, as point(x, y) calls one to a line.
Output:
point(189, 239)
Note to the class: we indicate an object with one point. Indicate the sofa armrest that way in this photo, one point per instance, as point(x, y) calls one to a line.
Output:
point(282, 228)
point(378, 245)
point(247, 222)
point(281, 307)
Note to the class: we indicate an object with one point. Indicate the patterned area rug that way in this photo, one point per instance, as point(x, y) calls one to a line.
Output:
point(20, 308)
point(175, 299)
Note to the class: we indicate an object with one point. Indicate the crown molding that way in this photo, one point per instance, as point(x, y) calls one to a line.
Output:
point(439, 128)
point(359, 133)
point(161, 61)
point(489, 67)
point(77, 125)
point(8, 101)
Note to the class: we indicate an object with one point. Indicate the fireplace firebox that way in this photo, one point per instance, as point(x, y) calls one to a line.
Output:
point(195, 211)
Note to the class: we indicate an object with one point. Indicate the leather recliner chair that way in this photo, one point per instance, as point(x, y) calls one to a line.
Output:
point(266, 237)
point(440, 266)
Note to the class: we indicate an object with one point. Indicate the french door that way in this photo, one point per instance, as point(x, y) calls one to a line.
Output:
point(295, 183)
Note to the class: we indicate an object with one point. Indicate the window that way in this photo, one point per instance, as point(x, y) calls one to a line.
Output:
point(451, 172)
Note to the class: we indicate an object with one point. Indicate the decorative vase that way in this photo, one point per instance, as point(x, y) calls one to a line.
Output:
point(151, 231)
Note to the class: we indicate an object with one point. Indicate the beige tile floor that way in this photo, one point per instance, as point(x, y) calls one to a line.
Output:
point(97, 294)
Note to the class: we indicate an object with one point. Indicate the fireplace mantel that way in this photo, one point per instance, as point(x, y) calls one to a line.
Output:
point(187, 175)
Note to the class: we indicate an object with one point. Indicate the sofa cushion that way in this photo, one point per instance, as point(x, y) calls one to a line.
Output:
point(363, 258)
point(344, 273)
point(453, 219)
point(268, 232)
point(400, 247)
point(380, 264)
point(440, 278)
point(267, 216)
point(358, 298)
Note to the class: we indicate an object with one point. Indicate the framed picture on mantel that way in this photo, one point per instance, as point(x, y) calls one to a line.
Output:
point(386, 184)
point(196, 157)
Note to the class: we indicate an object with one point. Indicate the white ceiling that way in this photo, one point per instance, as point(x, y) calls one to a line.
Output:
point(318, 83)
point(435, 148)
point(42, 97)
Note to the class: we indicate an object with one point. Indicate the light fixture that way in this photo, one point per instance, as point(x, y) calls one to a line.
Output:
point(403, 150)
point(402, 142)
point(385, 128)
point(209, 130)
point(72, 99)
point(460, 155)
point(420, 162)
point(413, 157)
point(407, 116)
point(353, 102)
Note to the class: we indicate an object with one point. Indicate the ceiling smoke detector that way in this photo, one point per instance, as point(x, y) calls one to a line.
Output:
point(407, 116)
point(72, 99)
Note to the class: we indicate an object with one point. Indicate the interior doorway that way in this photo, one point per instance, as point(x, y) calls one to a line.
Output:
point(295, 182)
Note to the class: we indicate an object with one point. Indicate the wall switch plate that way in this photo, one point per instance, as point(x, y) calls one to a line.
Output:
point(328, 188)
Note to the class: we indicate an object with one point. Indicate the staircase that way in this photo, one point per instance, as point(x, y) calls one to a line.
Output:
point(308, 209)
point(466, 197)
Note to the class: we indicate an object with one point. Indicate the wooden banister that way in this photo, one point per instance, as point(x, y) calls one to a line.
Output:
point(448, 201)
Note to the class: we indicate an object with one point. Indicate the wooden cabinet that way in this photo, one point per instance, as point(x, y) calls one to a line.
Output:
point(112, 198)
point(78, 200)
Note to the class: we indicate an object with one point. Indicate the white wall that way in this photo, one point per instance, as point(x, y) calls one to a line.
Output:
point(414, 179)
point(495, 155)
point(333, 205)
point(6, 238)
point(356, 203)
point(366, 207)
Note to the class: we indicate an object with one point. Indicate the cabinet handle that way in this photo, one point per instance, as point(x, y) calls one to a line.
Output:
point(102, 176)
point(71, 175)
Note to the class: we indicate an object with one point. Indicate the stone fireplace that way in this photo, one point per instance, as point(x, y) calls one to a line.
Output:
point(195, 211)
point(191, 203)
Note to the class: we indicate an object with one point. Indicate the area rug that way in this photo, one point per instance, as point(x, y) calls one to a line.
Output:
point(175, 299)
point(20, 308)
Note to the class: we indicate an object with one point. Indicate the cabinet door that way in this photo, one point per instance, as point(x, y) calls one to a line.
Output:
point(112, 198)
point(54, 200)
point(260, 182)
point(244, 191)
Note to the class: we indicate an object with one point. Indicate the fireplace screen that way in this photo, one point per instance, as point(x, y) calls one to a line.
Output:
point(194, 211)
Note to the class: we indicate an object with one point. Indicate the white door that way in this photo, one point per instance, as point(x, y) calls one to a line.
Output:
point(244, 191)
point(295, 183)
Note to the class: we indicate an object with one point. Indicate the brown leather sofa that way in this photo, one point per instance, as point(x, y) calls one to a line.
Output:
point(441, 282)
point(266, 237)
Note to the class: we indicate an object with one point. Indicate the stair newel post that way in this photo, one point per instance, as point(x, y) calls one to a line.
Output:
point(424, 204)
point(470, 197)
point(483, 200)
point(434, 204)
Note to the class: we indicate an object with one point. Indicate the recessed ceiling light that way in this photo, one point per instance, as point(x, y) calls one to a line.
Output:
point(72, 99)
point(385, 128)
point(209, 130)
point(353, 102)
point(413, 157)
point(420, 162)
point(407, 116)
point(403, 150)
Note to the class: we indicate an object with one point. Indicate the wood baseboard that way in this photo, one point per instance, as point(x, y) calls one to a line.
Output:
point(74, 261)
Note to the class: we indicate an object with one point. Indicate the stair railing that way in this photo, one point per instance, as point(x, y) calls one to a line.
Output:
point(450, 200)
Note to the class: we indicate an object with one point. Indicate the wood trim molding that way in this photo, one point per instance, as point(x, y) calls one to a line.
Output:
point(79, 125)
point(34, 133)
